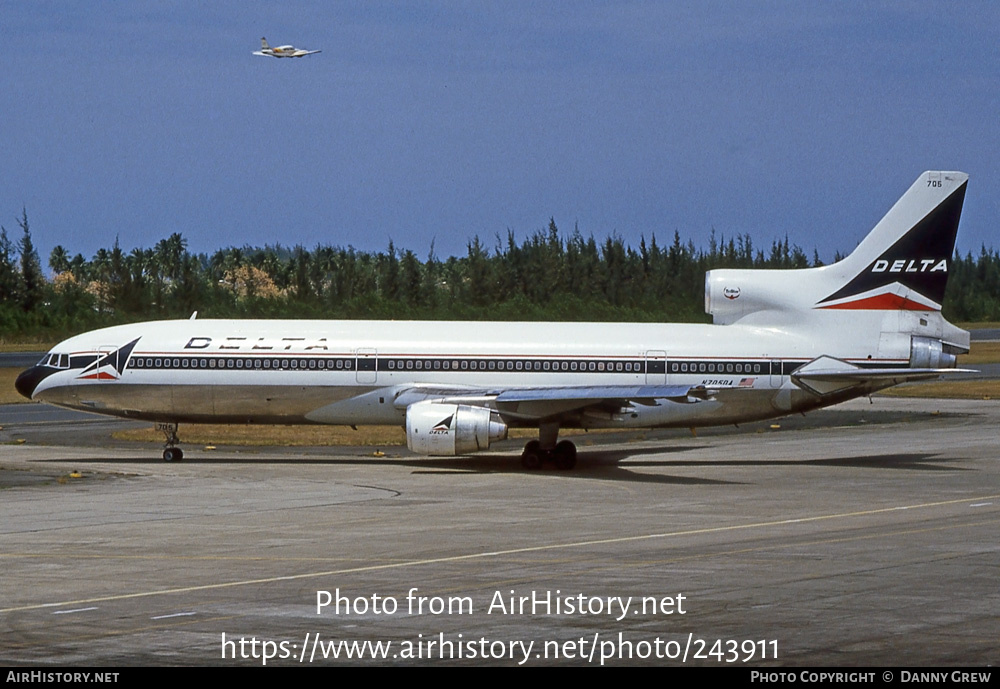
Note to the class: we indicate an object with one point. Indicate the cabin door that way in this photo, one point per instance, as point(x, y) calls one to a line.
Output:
point(656, 367)
point(366, 365)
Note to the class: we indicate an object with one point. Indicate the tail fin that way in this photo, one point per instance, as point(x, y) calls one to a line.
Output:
point(263, 44)
point(903, 263)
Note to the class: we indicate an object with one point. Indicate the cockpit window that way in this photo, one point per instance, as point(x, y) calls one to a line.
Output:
point(55, 360)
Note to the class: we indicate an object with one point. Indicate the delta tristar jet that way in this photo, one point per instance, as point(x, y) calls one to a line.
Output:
point(282, 50)
point(782, 341)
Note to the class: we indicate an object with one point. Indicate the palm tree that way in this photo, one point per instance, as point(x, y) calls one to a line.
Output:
point(59, 259)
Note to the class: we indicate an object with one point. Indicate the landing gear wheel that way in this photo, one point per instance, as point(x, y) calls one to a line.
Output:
point(564, 455)
point(531, 458)
point(173, 454)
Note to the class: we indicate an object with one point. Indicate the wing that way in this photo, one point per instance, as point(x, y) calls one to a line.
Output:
point(530, 405)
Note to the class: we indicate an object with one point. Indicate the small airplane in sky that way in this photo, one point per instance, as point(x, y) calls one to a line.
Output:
point(781, 342)
point(282, 50)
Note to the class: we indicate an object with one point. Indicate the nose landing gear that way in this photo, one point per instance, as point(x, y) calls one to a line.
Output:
point(171, 453)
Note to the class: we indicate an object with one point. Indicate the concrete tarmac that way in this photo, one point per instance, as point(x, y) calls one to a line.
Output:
point(861, 535)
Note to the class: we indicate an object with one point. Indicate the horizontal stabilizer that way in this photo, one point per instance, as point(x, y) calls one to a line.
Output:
point(827, 375)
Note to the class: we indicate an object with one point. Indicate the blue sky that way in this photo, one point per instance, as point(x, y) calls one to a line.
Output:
point(438, 121)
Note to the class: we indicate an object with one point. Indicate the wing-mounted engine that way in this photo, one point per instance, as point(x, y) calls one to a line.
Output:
point(436, 428)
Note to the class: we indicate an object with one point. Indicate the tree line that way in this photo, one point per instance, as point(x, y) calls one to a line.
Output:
point(546, 276)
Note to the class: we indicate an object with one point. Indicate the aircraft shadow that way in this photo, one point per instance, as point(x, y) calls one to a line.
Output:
point(907, 461)
point(605, 465)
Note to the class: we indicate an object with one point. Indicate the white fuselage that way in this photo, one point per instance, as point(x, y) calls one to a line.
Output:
point(349, 372)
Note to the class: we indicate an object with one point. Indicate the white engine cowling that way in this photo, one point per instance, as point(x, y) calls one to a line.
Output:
point(433, 428)
point(731, 294)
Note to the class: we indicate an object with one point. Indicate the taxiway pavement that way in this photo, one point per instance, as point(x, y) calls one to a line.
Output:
point(861, 535)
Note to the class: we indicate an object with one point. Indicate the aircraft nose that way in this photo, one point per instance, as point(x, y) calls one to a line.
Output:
point(29, 380)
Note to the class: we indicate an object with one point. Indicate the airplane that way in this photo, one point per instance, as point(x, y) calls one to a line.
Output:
point(781, 342)
point(282, 50)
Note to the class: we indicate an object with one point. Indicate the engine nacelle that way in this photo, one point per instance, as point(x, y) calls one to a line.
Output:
point(926, 352)
point(731, 294)
point(433, 428)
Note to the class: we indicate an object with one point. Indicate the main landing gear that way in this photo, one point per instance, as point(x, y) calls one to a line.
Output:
point(171, 453)
point(563, 455)
point(545, 449)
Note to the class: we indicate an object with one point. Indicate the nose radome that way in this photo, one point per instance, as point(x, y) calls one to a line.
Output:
point(29, 380)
